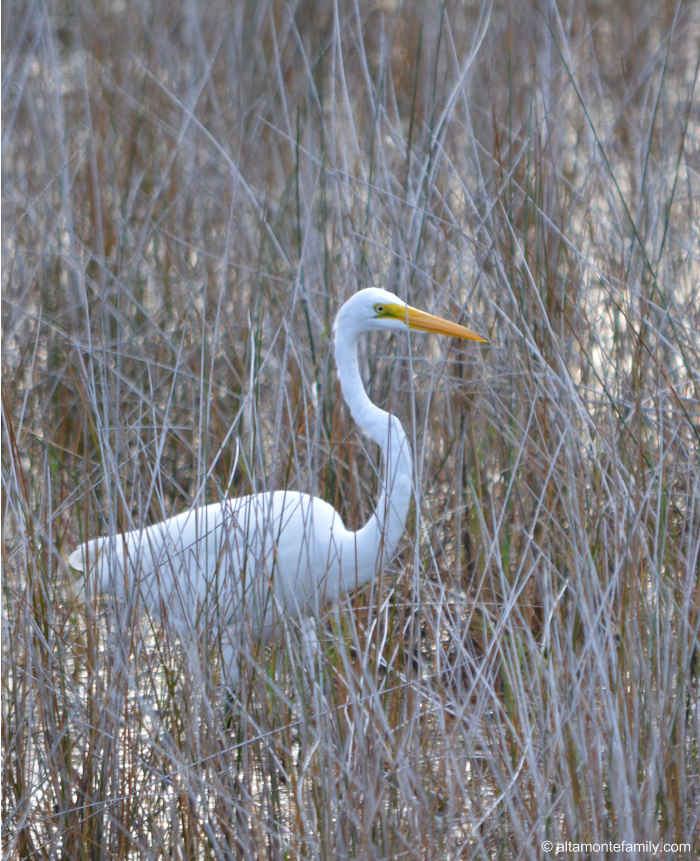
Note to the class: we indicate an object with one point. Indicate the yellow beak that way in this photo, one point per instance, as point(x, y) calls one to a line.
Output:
point(425, 322)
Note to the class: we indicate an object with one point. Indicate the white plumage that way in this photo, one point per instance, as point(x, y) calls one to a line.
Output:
point(241, 564)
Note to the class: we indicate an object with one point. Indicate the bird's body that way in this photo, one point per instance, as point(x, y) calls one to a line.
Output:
point(243, 564)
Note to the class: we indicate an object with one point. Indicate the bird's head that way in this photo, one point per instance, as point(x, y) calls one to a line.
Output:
point(375, 310)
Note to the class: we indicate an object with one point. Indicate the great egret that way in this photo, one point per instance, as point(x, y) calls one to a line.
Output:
point(241, 564)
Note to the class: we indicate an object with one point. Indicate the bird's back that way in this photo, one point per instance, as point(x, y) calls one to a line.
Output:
point(253, 557)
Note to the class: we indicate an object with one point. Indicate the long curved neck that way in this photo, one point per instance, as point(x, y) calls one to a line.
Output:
point(379, 538)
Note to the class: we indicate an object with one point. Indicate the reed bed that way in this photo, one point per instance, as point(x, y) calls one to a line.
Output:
point(190, 191)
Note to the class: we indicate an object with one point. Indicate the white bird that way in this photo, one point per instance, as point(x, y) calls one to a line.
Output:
point(242, 564)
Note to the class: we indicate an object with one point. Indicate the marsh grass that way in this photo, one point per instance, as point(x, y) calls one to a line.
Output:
point(190, 191)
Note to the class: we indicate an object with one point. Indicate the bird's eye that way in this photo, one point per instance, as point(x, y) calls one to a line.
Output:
point(379, 309)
